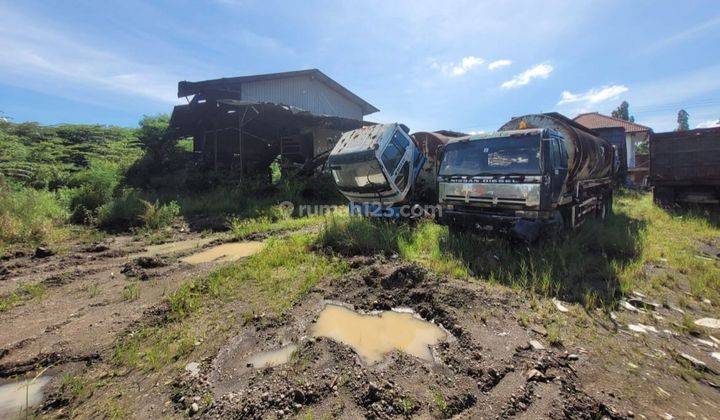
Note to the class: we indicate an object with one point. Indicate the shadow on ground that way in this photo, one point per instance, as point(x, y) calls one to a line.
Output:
point(581, 266)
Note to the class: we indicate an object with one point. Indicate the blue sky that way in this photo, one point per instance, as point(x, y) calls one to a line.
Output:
point(467, 65)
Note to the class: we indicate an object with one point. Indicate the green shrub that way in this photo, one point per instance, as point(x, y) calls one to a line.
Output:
point(29, 215)
point(157, 216)
point(122, 212)
point(94, 188)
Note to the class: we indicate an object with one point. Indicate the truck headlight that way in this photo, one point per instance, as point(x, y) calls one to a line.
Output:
point(449, 206)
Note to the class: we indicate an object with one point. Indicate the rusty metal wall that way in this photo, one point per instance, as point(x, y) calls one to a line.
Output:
point(303, 92)
point(686, 157)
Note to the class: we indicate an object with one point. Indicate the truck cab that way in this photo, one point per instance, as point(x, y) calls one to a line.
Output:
point(493, 181)
point(375, 166)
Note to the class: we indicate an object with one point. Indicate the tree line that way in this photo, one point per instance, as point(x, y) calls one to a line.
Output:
point(622, 112)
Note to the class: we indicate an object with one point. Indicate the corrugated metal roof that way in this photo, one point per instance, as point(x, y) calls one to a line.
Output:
point(594, 120)
point(186, 88)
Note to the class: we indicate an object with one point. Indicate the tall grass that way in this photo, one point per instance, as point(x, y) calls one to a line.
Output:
point(30, 216)
point(594, 265)
point(584, 266)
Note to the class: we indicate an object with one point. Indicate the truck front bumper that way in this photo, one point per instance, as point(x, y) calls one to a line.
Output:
point(526, 229)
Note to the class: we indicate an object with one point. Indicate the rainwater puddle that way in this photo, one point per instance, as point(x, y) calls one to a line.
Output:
point(179, 246)
point(15, 395)
point(232, 251)
point(273, 357)
point(372, 336)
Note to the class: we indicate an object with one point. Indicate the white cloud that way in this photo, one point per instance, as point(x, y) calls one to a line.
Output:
point(458, 69)
point(541, 71)
point(594, 95)
point(498, 64)
point(709, 124)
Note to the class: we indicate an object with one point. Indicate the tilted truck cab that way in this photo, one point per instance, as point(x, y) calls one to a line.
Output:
point(375, 167)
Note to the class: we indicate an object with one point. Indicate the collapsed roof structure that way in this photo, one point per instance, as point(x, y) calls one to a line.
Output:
point(245, 123)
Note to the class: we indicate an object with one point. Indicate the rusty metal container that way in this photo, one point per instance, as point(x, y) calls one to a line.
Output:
point(589, 156)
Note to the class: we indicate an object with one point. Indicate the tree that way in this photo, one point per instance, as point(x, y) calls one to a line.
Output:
point(623, 112)
point(157, 137)
point(682, 120)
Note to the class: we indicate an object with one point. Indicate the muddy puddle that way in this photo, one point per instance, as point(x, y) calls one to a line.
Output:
point(273, 357)
point(232, 251)
point(175, 247)
point(16, 396)
point(373, 336)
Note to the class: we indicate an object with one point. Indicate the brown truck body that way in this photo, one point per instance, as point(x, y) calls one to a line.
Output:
point(685, 166)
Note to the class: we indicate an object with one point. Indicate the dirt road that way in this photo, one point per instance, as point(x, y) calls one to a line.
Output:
point(505, 353)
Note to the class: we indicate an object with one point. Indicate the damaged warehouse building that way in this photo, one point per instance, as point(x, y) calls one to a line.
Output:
point(243, 124)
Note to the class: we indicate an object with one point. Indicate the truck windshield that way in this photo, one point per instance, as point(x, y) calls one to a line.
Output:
point(362, 177)
point(498, 156)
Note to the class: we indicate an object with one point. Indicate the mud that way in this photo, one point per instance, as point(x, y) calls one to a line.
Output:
point(82, 307)
point(225, 253)
point(492, 362)
point(272, 358)
point(372, 336)
point(16, 396)
point(477, 374)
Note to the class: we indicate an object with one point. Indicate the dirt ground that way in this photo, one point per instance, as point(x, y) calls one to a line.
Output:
point(507, 354)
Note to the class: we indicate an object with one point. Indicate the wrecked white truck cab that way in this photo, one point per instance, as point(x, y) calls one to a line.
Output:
point(374, 167)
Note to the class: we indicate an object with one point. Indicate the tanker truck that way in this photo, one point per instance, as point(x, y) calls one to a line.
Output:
point(385, 172)
point(538, 173)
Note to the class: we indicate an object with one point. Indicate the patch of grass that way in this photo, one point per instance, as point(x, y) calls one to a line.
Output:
point(157, 216)
point(409, 405)
point(594, 265)
point(351, 235)
point(688, 326)
point(114, 410)
point(588, 259)
point(439, 402)
point(93, 289)
point(23, 293)
point(671, 240)
point(269, 281)
point(76, 386)
point(242, 228)
point(152, 348)
point(553, 334)
point(131, 291)
point(29, 216)
point(272, 279)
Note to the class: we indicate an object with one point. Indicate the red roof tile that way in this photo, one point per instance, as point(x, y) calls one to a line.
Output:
point(594, 120)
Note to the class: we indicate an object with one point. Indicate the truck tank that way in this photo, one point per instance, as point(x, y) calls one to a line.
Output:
point(589, 156)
